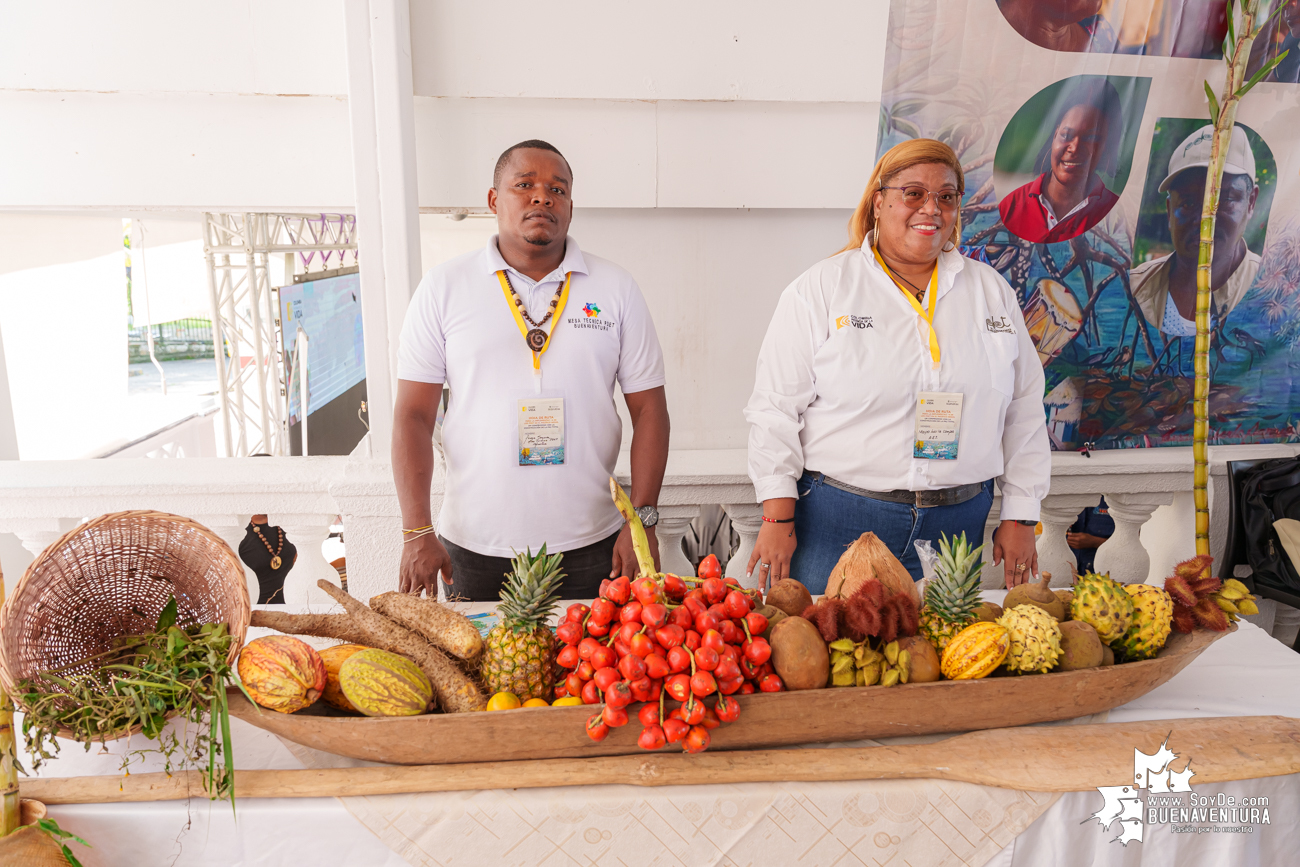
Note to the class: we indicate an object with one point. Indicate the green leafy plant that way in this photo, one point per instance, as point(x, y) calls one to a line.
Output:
point(141, 681)
point(51, 827)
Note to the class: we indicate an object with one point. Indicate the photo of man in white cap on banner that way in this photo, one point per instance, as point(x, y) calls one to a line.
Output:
point(1165, 287)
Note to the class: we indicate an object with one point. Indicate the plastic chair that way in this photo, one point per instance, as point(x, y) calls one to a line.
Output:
point(1234, 548)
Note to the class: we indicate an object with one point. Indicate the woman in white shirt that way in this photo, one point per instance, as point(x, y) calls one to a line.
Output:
point(865, 416)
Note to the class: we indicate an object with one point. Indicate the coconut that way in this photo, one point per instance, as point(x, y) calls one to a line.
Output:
point(869, 558)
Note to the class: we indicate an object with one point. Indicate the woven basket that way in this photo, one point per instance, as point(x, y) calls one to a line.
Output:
point(112, 576)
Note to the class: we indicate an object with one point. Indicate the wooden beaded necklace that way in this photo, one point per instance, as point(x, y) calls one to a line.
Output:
point(536, 337)
point(275, 555)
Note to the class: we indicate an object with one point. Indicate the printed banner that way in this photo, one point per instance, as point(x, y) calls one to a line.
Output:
point(1083, 129)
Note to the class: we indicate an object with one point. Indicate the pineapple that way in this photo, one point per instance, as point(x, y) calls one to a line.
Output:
point(1035, 638)
point(1153, 611)
point(953, 594)
point(1103, 605)
point(520, 650)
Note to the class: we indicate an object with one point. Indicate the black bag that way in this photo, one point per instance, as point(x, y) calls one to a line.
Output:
point(1270, 491)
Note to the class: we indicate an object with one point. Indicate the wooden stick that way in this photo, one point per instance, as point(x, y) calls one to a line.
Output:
point(10, 809)
point(1039, 759)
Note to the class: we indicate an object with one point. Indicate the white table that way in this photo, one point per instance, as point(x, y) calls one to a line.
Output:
point(795, 823)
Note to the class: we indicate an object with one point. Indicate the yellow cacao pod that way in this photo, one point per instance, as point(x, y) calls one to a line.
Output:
point(975, 651)
point(281, 673)
point(334, 657)
point(379, 683)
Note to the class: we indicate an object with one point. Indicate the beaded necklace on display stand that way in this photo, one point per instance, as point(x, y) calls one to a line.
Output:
point(275, 555)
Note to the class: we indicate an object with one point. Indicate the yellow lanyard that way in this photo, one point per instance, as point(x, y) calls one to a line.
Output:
point(927, 315)
point(523, 326)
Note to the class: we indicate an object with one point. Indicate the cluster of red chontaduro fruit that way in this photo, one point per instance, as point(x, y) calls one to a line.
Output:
point(666, 637)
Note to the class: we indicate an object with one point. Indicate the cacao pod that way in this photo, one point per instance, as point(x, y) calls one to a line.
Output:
point(334, 657)
point(975, 651)
point(379, 683)
point(282, 673)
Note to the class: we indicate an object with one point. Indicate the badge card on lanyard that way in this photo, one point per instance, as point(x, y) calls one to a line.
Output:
point(541, 431)
point(540, 419)
point(938, 423)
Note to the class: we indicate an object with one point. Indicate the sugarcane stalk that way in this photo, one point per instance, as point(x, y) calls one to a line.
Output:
point(640, 544)
point(1223, 111)
point(9, 802)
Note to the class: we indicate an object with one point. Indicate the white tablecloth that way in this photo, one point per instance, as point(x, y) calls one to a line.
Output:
point(871, 822)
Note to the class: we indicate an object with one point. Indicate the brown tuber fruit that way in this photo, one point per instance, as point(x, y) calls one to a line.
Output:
point(988, 612)
point(790, 596)
point(774, 616)
point(1036, 594)
point(1067, 598)
point(799, 654)
point(925, 661)
point(1107, 655)
point(1080, 647)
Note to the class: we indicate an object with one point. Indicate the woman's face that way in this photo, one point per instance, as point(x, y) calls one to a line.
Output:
point(917, 235)
point(1069, 11)
point(1077, 145)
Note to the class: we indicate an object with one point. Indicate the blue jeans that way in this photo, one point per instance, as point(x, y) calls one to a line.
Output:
point(827, 520)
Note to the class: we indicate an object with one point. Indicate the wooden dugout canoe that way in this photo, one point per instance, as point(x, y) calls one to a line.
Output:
point(766, 720)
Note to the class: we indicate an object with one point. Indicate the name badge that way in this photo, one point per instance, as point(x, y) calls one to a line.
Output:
point(938, 422)
point(541, 431)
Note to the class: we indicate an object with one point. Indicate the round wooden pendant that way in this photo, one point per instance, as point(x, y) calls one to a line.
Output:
point(536, 339)
point(275, 562)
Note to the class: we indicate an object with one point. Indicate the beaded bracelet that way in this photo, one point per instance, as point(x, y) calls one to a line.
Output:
point(778, 520)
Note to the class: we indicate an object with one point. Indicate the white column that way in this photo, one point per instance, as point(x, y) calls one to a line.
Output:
point(381, 109)
point(1059, 511)
point(1122, 555)
point(673, 524)
point(747, 519)
point(307, 532)
point(38, 534)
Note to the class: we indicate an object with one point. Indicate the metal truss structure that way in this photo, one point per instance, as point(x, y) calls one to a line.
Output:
point(252, 383)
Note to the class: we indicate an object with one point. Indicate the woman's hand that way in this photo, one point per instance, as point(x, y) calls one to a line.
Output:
point(775, 545)
point(1014, 544)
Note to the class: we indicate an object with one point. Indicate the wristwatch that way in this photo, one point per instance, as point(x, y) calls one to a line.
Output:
point(1026, 523)
point(649, 515)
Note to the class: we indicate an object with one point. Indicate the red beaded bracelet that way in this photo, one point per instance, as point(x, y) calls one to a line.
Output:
point(778, 520)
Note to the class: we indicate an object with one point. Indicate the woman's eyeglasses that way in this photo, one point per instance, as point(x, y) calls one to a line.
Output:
point(916, 196)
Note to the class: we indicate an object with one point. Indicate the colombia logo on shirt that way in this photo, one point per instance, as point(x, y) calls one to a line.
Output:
point(591, 319)
point(854, 321)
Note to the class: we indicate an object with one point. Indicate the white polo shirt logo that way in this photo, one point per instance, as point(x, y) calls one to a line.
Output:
point(591, 319)
point(859, 322)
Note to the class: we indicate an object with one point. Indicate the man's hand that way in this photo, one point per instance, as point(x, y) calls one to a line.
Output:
point(422, 560)
point(1084, 540)
point(625, 555)
point(1014, 544)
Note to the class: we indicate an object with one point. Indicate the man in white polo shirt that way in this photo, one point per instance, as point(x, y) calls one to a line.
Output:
point(529, 336)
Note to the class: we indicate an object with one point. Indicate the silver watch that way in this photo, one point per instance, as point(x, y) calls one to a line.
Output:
point(649, 515)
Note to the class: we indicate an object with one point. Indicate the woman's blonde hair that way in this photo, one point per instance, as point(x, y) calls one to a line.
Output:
point(913, 152)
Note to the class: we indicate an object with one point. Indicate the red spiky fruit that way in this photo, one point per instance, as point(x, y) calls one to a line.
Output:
point(1195, 568)
point(1179, 590)
point(861, 618)
point(1210, 615)
point(1184, 620)
point(872, 591)
point(1206, 586)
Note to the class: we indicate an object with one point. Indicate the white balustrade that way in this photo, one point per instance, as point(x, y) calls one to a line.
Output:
point(40, 501)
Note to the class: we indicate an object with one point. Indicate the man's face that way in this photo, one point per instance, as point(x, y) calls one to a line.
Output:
point(532, 201)
point(1291, 18)
point(1186, 198)
point(1076, 145)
